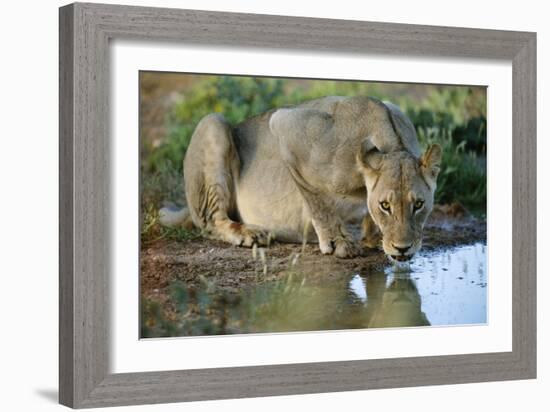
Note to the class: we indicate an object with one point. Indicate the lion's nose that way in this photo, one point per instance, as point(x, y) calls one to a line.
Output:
point(402, 249)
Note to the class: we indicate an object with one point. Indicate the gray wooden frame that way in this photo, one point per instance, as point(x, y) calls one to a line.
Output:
point(85, 31)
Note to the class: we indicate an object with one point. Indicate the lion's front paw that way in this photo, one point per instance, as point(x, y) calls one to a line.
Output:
point(346, 248)
point(342, 247)
point(250, 235)
point(372, 242)
point(371, 237)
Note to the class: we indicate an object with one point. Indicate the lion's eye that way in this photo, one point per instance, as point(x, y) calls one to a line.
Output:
point(418, 205)
point(385, 206)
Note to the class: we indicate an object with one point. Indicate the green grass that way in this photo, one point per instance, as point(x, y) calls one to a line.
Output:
point(452, 116)
point(207, 309)
point(201, 310)
point(463, 167)
point(152, 230)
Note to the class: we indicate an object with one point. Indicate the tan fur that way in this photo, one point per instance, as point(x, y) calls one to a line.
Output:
point(401, 179)
point(398, 305)
point(285, 169)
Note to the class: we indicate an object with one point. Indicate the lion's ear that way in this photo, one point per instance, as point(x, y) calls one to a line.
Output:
point(369, 161)
point(430, 164)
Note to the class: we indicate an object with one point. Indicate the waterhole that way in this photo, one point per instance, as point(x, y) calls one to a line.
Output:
point(445, 287)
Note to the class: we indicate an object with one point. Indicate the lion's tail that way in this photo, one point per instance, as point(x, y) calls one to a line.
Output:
point(172, 217)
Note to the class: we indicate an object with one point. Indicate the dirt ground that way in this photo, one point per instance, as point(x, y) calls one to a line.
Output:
point(233, 267)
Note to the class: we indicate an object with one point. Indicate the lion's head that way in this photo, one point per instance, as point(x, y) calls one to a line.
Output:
point(400, 305)
point(400, 196)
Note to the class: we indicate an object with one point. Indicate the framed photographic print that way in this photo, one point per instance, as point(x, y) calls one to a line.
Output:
point(257, 205)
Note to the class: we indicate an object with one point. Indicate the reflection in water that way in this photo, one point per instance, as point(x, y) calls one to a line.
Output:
point(398, 305)
point(441, 288)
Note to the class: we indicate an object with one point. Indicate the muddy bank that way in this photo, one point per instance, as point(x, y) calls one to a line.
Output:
point(231, 268)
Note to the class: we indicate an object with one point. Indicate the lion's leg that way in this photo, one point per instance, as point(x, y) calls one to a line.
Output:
point(330, 229)
point(308, 139)
point(331, 232)
point(210, 169)
point(371, 237)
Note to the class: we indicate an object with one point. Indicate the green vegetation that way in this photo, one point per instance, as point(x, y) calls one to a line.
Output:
point(452, 116)
point(292, 303)
point(152, 230)
point(197, 311)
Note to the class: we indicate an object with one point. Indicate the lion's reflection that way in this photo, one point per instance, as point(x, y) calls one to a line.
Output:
point(391, 301)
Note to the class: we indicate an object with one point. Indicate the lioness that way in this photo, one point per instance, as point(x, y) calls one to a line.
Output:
point(327, 162)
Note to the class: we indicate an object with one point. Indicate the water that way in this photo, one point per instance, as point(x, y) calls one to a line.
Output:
point(440, 288)
point(444, 288)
